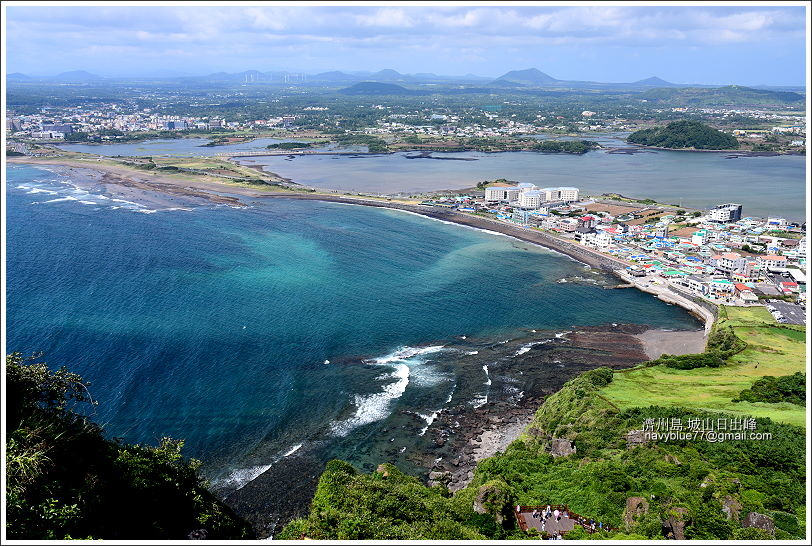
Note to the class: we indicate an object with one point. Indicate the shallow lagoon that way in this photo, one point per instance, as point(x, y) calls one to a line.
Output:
point(766, 186)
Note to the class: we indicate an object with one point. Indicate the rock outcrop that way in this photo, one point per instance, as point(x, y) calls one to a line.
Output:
point(635, 507)
point(674, 526)
point(759, 521)
point(494, 498)
point(731, 507)
point(561, 447)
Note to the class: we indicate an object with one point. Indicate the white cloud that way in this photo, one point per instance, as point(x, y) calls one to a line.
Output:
point(387, 17)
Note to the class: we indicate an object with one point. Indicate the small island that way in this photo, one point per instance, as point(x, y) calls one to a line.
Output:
point(685, 135)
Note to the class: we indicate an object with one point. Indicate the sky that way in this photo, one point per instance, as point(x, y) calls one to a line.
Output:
point(733, 44)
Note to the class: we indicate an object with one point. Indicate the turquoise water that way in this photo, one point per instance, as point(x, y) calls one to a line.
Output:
point(250, 332)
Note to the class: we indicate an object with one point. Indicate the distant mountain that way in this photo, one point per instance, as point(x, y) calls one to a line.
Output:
point(76, 76)
point(530, 76)
point(730, 94)
point(378, 88)
point(334, 76)
point(387, 74)
point(654, 81)
point(18, 77)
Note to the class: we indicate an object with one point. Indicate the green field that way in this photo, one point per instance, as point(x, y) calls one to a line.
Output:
point(771, 350)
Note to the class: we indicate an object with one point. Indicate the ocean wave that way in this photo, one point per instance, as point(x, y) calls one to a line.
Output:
point(37, 190)
point(451, 394)
point(374, 407)
point(487, 375)
point(469, 353)
point(527, 346)
point(292, 450)
point(61, 199)
point(429, 420)
point(405, 353)
point(562, 334)
point(240, 476)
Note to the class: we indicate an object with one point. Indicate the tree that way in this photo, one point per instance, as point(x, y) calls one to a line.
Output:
point(66, 480)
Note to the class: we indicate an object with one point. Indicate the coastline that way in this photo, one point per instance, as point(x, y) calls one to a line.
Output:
point(479, 433)
point(223, 192)
point(736, 151)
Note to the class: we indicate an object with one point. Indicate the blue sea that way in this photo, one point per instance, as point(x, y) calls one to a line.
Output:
point(254, 332)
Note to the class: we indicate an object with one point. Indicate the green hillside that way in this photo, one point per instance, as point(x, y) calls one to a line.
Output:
point(694, 487)
point(685, 135)
point(728, 95)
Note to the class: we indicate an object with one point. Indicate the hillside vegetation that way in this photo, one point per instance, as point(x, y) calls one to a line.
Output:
point(729, 95)
point(770, 351)
point(65, 480)
point(685, 134)
point(695, 487)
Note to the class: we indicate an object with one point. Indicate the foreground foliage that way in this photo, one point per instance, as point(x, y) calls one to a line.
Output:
point(66, 480)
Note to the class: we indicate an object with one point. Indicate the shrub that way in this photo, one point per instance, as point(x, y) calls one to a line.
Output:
point(786, 388)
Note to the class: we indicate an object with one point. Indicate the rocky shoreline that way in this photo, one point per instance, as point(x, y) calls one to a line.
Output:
point(461, 435)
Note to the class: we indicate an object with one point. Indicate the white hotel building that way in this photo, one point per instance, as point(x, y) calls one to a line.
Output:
point(529, 196)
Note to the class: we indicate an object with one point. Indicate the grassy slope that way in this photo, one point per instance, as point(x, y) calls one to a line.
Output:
point(694, 476)
point(771, 351)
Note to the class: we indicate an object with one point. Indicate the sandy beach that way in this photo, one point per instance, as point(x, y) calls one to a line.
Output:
point(659, 342)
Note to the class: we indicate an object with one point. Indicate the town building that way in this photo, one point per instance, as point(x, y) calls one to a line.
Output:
point(730, 212)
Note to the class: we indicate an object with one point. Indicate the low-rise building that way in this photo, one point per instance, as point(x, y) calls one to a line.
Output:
point(773, 262)
point(729, 212)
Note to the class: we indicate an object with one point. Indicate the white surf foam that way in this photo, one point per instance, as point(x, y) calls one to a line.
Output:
point(429, 420)
point(405, 353)
point(374, 407)
point(61, 199)
point(487, 375)
point(451, 394)
point(241, 476)
point(292, 450)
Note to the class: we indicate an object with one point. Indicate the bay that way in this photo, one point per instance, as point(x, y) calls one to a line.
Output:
point(251, 332)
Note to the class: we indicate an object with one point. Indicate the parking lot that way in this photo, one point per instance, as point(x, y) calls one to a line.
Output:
point(793, 313)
